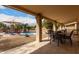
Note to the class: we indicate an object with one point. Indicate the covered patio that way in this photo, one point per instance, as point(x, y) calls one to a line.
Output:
point(67, 15)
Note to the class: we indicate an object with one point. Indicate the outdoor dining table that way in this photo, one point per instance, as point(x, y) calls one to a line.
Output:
point(59, 36)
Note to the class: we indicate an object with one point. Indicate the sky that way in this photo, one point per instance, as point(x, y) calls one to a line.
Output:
point(8, 14)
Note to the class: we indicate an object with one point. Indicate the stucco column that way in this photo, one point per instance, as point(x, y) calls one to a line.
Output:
point(76, 28)
point(39, 28)
point(54, 27)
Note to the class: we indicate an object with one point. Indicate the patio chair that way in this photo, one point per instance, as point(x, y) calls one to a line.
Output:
point(56, 37)
point(68, 37)
point(50, 35)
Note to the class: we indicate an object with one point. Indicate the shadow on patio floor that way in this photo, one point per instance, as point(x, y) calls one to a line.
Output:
point(62, 49)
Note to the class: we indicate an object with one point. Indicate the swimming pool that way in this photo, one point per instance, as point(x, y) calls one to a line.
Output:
point(27, 33)
point(23, 33)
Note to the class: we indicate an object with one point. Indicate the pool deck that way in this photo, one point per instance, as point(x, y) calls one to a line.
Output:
point(26, 48)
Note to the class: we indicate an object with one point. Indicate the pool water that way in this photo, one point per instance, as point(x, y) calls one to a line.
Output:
point(23, 33)
point(27, 33)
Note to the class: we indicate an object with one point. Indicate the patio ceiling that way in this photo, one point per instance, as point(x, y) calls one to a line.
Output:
point(60, 13)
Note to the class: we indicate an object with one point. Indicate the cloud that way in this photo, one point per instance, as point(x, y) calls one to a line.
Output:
point(28, 19)
point(2, 7)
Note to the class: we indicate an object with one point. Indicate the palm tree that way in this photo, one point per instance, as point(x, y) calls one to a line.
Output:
point(5, 28)
point(1, 26)
point(47, 24)
point(29, 28)
point(19, 27)
point(25, 27)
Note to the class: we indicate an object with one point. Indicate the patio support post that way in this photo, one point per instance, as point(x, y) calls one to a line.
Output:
point(39, 27)
point(54, 28)
point(76, 28)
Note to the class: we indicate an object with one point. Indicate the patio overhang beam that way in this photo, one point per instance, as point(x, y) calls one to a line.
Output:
point(19, 8)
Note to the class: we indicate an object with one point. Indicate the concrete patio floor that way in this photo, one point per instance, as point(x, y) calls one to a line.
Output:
point(62, 49)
